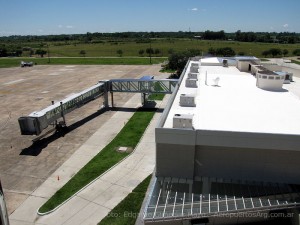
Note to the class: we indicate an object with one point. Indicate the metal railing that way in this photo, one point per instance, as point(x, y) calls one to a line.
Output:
point(165, 86)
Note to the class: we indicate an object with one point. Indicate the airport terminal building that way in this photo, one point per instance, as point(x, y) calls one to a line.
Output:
point(227, 146)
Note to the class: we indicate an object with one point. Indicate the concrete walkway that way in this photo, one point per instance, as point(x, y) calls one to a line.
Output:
point(94, 203)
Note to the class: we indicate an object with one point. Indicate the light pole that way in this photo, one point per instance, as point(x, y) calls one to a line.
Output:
point(48, 53)
point(150, 51)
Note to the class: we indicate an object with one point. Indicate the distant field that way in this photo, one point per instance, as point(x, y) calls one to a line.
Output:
point(14, 62)
point(131, 48)
point(130, 51)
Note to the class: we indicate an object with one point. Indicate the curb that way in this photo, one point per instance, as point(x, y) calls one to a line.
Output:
point(57, 207)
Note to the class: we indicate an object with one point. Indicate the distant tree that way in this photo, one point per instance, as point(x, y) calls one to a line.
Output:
point(82, 53)
point(42, 44)
point(41, 52)
point(212, 51)
point(195, 52)
point(141, 52)
point(241, 53)
point(3, 52)
point(19, 52)
point(292, 40)
point(296, 52)
point(157, 51)
point(245, 36)
point(227, 51)
point(178, 60)
point(120, 52)
point(211, 35)
point(149, 51)
point(31, 52)
point(275, 52)
point(171, 51)
point(238, 35)
point(285, 52)
point(266, 53)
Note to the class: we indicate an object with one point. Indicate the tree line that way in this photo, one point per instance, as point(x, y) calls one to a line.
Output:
point(18, 51)
point(268, 37)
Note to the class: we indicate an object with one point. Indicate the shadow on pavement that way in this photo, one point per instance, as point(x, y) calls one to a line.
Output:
point(36, 148)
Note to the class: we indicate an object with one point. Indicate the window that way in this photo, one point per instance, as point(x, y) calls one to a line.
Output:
point(200, 221)
point(271, 78)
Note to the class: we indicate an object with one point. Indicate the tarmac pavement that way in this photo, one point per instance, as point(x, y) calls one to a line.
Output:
point(95, 202)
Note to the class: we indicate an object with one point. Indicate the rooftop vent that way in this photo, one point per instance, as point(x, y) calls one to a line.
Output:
point(225, 62)
point(183, 121)
point(193, 75)
point(216, 81)
point(192, 83)
point(187, 100)
point(194, 68)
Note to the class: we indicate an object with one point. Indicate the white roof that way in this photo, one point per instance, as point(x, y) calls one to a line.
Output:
point(237, 104)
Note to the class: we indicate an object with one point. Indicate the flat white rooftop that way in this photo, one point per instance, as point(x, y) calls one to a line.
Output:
point(236, 104)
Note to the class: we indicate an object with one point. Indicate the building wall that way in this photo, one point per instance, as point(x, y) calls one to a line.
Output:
point(265, 82)
point(248, 164)
point(186, 153)
point(175, 152)
point(272, 67)
point(243, 66)
point(175, 161)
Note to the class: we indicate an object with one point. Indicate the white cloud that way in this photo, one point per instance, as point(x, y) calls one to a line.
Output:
point(286, 25)
point(194, 9)
point(68, 26)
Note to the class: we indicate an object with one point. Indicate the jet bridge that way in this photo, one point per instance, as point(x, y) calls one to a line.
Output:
point(37, 121)
point(149, 86)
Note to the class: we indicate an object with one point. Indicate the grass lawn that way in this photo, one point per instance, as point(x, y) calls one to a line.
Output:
point(126, 212)
point(15, 62)
point(129, 136)
point(131, 48)
point(296, 62)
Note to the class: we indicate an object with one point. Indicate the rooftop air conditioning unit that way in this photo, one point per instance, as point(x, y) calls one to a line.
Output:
point(194, 68)
point(183, 121)
point(288, 78)
point(192, 75)
point(225, 62)
point(187, 100)
point(191, 83)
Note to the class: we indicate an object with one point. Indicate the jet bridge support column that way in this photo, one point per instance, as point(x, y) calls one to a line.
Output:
point(112, 99)
point(105, 96)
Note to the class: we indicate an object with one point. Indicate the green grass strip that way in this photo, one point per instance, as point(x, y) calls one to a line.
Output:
point(127, 211)
point(296, 62)
point(129, 136)
point(15, 62)
point(157, 96)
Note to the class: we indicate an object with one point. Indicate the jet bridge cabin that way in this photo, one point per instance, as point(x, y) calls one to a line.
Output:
point(36, 122)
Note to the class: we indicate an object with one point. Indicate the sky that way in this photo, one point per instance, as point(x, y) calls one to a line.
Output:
point(44, 17)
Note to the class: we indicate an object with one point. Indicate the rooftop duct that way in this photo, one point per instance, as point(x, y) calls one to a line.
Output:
point(184, 121)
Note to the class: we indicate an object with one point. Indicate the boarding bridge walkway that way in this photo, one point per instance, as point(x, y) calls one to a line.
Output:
point(165, 86)
point(37, 121)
